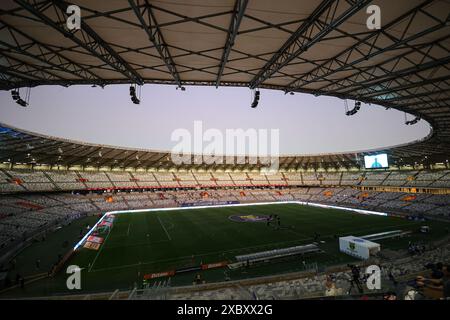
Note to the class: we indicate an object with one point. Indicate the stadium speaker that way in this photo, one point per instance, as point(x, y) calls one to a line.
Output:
point(15, 94)
point(135, 100)
point(21, 103)
point(413, 122)
point(355, 109)
point(133, 95)
point(255, 100)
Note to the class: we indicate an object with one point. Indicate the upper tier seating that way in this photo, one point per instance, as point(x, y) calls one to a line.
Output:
point(351, 178)
point(240, 178)
point(32, 180)
point(222, 178)
point(204, 178)
point(310, 179)
point(166, 179)
point(293, 178)
point(122, 179)
point(66, 180)
point(258, 178)
point(27, 212)
point(186, 178)
point(374, 178)
point(333, 179)
point(442, 182)
point(96, 180)
point(399, 178)
point(21, 181)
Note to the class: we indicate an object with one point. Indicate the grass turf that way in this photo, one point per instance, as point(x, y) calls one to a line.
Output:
point(147, 242)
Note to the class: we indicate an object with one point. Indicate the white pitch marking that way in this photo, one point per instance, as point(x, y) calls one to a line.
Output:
point(101, 248)
point(168, 236)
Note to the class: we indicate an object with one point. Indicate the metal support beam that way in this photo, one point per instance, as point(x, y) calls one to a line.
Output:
point(85, 38)
point(366, 86)
point(24, 70)
point(310, 32)
point(340, 61)
point(236, 19)
point(47, 55)
point(154, 34)
point(418, 95)
point(387, 67)
point(408, 86)
point(14, 74)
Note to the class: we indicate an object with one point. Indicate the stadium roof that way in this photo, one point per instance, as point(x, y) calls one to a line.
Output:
point(21, 147)
point(318, 47)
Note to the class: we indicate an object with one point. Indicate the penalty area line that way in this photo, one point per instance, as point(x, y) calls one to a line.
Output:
point(162, 225)
point(101, 248)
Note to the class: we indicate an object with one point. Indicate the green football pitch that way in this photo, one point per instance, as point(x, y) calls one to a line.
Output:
point(141, 243)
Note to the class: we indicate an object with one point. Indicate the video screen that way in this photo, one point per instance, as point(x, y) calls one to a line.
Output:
point(378, 161)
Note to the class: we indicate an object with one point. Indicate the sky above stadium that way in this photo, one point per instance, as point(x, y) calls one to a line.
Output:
point(307, 124)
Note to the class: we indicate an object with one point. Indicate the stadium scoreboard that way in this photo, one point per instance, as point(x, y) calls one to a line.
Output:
point(378, 161)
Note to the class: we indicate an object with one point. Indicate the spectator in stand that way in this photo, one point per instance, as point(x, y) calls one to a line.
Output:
point(447, 285)
point(437, 286)
point(438, 271)
point(390, 296)
point(392, 278)
point(412, 294)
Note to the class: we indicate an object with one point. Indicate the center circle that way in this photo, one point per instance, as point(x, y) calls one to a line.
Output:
point(250, 218)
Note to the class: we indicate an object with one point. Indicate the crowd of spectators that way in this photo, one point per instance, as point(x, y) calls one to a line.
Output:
point(66, 203)
point(22, 181)
point(42, 209)
point(410, 277)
